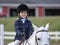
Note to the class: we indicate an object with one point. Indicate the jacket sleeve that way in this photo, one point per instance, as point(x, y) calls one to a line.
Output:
point(31, 30)
point(16, 26)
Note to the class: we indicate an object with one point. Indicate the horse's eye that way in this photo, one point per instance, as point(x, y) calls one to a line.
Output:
point(38, 38)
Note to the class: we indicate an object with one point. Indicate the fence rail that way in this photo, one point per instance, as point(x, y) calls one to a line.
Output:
point(53, 35)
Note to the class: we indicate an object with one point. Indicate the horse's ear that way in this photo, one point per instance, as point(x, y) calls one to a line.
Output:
point(46, 27)
point(35, 27)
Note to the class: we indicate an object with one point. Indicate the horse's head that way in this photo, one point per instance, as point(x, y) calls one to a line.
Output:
point(42, 36)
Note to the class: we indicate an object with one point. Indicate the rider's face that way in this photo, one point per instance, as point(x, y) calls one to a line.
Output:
point(23, 14)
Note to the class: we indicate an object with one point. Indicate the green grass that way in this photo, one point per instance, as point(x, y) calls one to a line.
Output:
point(53, 20)
point(54, 42)
point(7, 41)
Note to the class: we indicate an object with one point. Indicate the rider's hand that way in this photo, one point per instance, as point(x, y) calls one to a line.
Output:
point(22, 34)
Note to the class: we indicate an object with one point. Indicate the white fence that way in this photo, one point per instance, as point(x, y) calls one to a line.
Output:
point(53, 35)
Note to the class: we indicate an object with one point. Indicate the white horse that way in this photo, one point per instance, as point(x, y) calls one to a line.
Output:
point(39, 37)
point(42, 36)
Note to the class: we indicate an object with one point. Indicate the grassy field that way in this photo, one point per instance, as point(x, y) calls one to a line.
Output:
point(54, 22)
point(38, 21)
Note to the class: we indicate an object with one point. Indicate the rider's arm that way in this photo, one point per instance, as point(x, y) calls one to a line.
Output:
point(16, 26)
point(31, 30)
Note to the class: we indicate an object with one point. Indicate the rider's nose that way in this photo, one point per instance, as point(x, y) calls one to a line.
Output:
point(45, 44)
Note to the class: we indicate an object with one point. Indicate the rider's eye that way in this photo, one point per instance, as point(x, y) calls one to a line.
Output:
point(38, 38)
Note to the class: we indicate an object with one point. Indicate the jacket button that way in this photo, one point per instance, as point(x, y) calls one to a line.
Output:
point(23, 29)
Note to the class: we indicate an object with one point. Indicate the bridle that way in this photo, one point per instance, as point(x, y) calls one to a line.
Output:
point(41, 31)
point(38, 32)
point(36, 36)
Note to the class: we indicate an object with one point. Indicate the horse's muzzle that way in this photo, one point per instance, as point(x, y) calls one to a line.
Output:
point(45, 44)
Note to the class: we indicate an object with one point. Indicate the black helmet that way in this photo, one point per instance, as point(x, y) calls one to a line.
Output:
point(22, 7)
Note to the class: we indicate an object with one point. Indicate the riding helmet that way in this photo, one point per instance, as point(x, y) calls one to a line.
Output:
point(22, 7)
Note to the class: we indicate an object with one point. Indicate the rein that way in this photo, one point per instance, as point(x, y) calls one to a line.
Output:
point(36, 40)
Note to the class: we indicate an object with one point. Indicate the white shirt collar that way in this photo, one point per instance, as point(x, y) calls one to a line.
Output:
point(23, 20)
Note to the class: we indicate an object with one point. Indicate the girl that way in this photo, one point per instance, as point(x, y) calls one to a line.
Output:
point(23, 26)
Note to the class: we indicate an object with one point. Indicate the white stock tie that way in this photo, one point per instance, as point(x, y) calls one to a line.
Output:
point(23, 20)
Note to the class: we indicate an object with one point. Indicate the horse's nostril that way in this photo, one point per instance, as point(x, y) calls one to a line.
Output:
point(45, 44)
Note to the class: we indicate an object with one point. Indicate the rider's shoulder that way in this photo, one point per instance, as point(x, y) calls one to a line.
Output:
point(29, 21)
point(17, 21)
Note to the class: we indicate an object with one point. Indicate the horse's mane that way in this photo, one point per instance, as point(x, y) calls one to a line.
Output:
point(32, 35)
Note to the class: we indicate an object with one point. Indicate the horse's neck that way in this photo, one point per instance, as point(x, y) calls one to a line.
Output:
point(31, 40)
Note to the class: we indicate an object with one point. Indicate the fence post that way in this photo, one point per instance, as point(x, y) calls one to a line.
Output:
point(1, 34)
point(56, 35)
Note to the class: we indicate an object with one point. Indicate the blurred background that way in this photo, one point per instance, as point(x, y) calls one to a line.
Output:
point(41, 12)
